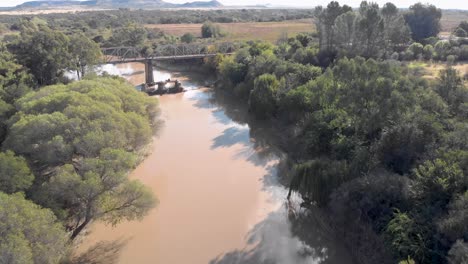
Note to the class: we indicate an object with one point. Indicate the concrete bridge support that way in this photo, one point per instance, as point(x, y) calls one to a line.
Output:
point(149, 78)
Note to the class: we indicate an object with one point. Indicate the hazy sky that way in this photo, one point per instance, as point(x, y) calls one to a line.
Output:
point(446, 4)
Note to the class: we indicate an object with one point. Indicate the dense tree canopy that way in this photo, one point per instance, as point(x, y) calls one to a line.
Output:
point(30, 234)
point(82, 140)
point(15, 174)
point(370, 31)
point(368, 139)
point(45, 52)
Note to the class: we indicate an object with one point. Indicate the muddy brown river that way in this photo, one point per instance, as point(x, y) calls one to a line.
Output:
point(219, 199)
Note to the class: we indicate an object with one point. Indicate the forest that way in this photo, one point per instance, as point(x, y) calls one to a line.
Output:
point(378, 147)
point(381, 149)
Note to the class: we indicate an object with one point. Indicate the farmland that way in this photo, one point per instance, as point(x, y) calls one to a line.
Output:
point(269, 31)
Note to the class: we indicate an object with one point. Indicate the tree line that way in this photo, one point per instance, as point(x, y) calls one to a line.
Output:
point(378, 147)
point(387, 33)
point(116, 18)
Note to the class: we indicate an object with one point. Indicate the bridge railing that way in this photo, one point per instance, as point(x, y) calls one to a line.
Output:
point(125, 54)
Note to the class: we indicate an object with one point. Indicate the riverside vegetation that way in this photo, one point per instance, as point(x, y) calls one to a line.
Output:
point(66, 148)
point(379, 148)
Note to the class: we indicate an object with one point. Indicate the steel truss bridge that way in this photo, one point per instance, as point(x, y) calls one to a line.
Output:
point(166, 52)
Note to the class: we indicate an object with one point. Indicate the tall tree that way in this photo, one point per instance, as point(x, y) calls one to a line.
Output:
point(85, 53)
point(424, 21)
point(370, 30)
point(397, 32)
point(325, 20)
point(345, 29)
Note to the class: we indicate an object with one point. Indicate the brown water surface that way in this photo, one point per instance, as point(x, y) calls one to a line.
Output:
point(218, 198)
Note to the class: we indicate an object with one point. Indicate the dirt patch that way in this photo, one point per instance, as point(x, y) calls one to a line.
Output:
point(431, 70)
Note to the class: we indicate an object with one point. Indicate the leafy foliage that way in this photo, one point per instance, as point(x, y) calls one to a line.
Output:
point(30, 234)
point(262, 101)
point(88, 134)
point(15, 174)
point(210, 30)
point(381, 148)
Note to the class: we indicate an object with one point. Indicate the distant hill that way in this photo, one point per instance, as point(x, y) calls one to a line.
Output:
point(201, 4)
point(115, 4)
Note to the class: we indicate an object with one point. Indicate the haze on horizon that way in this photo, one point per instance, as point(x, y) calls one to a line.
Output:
point(447, 4)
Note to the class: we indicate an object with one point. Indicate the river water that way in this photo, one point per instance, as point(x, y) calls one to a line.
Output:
point(219, 197)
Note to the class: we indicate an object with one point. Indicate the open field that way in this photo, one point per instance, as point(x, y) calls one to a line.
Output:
point(269, 31)
point(431, 70)
point(451, 19)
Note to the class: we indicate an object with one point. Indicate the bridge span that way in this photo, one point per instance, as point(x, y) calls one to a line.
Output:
point(167, 52)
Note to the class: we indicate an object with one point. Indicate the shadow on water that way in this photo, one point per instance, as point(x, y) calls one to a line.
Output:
point(288, 234)
point(231, 136)
point(285, 236)
point(104, 252)
point(254, 137)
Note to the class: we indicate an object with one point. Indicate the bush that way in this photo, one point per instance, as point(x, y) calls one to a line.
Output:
point(210, 30)
point(416, 49)
point(428, 52)
point(460, 32)
point(187, 38)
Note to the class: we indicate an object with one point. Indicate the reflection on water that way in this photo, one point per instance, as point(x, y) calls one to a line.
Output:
point(220, 200)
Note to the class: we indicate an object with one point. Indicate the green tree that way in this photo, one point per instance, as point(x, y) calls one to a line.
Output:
point(15, 81)
point(397, 32)
point(210, 30)
point(187, 38)
point(324, 22)
point(405, 237)
point(85, 54)
point(15, 175)
point(45, 52)
point(100, 190)
point(416, 49)
point(428, 52)
point(438, 180)
point(58, 122)
point(452, 89)
point(315, 180)
point(462, 29)
point(345, 28)
point(442, 48)
point(30, 234)
point(370, 30)
point(87, 134)
point(262, 100)
point(131, 35)
point(424, 21)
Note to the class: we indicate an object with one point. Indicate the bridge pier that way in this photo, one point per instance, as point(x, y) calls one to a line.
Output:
point(149, 78)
